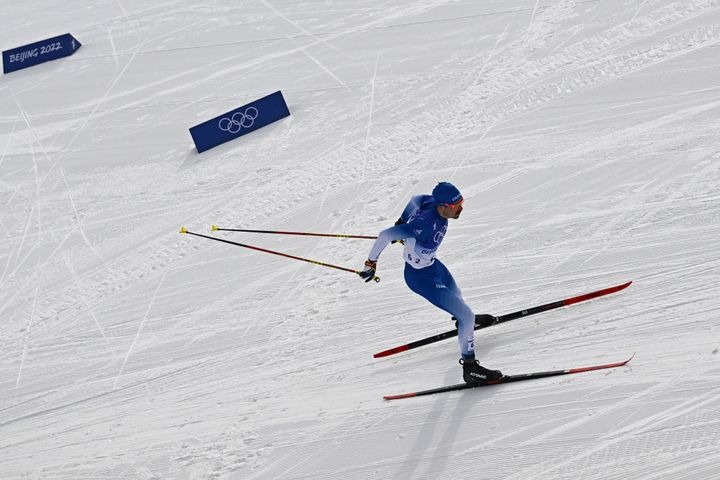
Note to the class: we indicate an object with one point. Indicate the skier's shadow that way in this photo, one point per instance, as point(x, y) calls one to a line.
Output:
point(441, 450)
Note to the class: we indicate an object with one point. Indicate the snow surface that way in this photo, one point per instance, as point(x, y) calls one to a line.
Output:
point(583, 134)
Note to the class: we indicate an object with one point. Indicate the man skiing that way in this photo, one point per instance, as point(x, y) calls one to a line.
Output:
point(422, 227)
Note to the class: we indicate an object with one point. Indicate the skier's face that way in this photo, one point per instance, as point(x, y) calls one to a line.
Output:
point(451, 211)
point(455, 210)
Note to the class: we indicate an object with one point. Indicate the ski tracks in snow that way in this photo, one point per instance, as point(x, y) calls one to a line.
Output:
point(629, 445)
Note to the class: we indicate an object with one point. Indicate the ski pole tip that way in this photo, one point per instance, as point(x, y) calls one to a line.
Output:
point(214, 228)
point(183, 230)
point(377, 279)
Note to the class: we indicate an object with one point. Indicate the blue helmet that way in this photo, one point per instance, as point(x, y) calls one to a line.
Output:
point(446, 192)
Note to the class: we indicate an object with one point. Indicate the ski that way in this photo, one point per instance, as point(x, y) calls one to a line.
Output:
point(484, 321)
point(508, 379)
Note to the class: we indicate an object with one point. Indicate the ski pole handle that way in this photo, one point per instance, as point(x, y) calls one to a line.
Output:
point(374, 277)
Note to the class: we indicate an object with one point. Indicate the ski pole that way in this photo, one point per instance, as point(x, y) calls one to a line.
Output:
point(215, 228)
point(184, 230)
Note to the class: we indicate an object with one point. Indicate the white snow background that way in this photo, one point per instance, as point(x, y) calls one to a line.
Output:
point(583, 135)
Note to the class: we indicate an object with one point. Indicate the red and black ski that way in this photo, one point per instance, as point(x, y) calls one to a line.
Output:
point(484, 321)
point(507, 379)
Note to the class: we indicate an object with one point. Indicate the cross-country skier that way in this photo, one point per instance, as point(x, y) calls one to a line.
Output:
point(422, 226)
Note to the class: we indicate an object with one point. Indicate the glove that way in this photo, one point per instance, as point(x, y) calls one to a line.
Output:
point(369, 271)
point(399, 222)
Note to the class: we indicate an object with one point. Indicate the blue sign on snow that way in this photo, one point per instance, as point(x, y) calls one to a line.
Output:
point(39, 52)
point(240, 121)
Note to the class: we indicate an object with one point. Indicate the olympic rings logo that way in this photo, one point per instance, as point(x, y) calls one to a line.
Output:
point(440, 235)
point(239, 120)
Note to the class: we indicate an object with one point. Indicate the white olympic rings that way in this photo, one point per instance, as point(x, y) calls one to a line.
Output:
point(239, 120)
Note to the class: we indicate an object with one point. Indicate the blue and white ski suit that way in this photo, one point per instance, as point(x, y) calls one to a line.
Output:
point(423, 232)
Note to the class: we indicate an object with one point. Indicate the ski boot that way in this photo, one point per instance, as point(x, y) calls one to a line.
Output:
point(473, 372)
point(482, 320)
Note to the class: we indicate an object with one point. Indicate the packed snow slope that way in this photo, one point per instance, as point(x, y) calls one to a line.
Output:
point(583, 135)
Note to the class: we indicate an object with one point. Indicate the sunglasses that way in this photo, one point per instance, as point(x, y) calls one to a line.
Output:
point(455, 205)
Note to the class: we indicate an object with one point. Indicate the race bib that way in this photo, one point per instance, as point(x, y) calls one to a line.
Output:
point(416, 256)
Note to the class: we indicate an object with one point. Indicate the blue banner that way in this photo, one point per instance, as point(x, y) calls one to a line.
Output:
point(39, 52)
point(239, 122)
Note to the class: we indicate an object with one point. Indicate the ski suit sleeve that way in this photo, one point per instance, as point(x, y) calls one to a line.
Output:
point(398, 232)
point(412, 207)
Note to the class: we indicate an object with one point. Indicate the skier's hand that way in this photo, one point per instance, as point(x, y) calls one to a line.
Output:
point(368, 272)
point(399, 222)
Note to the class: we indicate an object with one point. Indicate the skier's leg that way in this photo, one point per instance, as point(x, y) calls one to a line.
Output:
point(431, 284)
point(482, 320)
point(447, 277)
point(428, 282)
